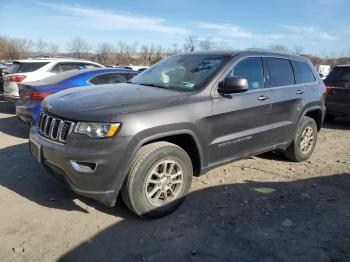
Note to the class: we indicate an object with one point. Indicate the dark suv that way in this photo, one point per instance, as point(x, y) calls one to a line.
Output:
point(183, 116)
point(338, 92)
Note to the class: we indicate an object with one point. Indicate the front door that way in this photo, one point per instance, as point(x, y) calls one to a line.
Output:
point(240, 121)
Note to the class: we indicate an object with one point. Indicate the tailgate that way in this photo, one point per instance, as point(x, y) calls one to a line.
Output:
point(339, 95)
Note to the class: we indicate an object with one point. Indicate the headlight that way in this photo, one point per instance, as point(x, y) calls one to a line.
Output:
point(97, 130)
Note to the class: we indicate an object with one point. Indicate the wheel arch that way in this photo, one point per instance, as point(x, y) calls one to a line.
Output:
point(315, 113)
point(186, 139)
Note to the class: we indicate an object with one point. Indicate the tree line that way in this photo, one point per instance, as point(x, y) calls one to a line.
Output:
point(124, 53)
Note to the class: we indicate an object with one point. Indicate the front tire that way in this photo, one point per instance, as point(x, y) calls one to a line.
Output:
point(304, 141)
point(159, 179)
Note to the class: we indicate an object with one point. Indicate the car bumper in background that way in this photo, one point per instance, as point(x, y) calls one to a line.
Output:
point(11, 93)
point(10, 97)
point(25, 114)
point(338, 109)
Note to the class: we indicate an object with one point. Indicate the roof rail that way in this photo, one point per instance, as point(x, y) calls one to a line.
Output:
point(272, 51)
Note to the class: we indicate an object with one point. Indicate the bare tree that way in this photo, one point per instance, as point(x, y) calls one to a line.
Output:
point(78, 47)
point(223, 45)
point(19, 48)
point(206, 44)
point(174, 50)
point(4, 48)
point(125, 52)
point(298, 50)
point(52, 49)
point(280, 48)
point(106, 54)
point(191, 43)
point(159, 55)
point(145, 55)
point(40, 47)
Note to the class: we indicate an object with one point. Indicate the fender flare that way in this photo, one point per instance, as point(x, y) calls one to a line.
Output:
point(125, 169)
point(172, 133)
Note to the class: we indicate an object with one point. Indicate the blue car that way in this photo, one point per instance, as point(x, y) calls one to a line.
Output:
point(31, 94)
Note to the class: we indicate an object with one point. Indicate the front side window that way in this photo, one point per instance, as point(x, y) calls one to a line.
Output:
point(182, 72)
point(280, 72)
point(303, 73)
point(250, 68)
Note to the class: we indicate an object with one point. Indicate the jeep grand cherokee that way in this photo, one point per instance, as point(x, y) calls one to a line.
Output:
point(183, 116)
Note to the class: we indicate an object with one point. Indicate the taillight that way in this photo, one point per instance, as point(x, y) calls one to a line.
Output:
point(38, 95)
point(16, 79)
point(327, 89)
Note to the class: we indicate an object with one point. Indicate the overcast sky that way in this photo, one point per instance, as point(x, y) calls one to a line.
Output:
point(319, 26)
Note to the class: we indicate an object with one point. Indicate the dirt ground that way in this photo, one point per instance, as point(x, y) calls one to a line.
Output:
point(259, 209)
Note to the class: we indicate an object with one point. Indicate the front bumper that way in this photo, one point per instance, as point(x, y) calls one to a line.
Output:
point(103, 176)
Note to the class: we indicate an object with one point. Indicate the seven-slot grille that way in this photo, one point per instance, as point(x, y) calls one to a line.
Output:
point(53, 128)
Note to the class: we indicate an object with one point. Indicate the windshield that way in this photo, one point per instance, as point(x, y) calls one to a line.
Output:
point(182, 72)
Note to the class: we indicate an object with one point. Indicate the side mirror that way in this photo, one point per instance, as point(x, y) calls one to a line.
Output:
point(234, 84)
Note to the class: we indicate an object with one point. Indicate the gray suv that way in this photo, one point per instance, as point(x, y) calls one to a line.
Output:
point(181, 117)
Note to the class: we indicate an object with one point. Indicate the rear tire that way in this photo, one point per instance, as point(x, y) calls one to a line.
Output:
point(304, 141)
point(159, 179)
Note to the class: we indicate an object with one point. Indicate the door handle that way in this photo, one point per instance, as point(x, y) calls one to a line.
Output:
point(299, 92)
point(263, 98)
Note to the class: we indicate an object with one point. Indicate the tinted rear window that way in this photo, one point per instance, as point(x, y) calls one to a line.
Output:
point(20, 67)
point(340, 74)
point(303, 73)
point(280, 72)
point(111, 78)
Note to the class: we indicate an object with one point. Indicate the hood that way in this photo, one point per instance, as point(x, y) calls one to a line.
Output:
point(104, 102)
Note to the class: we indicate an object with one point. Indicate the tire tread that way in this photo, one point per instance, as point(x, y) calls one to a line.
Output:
point(142, 154)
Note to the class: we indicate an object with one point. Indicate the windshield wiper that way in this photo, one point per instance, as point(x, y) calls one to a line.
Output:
point(150, 84)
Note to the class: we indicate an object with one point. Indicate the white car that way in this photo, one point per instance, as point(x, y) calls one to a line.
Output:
point(28, 70)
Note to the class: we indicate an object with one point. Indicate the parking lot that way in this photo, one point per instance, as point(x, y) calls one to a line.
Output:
point(263, 208)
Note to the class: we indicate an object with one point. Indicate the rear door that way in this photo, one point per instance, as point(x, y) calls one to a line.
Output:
point(239, 121)
point(289, 96)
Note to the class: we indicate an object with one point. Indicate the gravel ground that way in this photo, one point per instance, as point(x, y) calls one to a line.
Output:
point(259, 209)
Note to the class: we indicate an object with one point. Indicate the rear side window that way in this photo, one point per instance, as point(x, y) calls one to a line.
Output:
point(56, 69)
point(303, 73)
point(20, 67)
point(129, 76)
point(88, 66)
point(280, 72)
point(68, 66)
point(110, 78)
point(250, 68)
